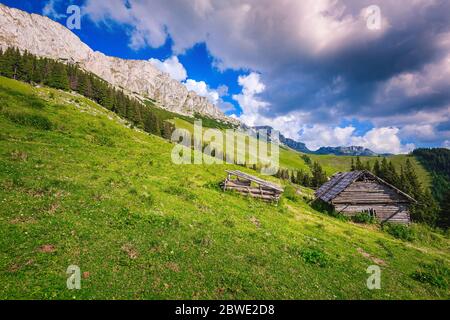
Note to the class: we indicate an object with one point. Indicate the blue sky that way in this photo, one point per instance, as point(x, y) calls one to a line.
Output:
point(313, 69)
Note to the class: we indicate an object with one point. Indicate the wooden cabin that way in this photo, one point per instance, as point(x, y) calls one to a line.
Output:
point(251, 186)
point(355, 192)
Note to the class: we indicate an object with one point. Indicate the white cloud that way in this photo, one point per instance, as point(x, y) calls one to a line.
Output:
point(250, 104)
point(292, 125)
point(49, 10)
point(202, 89)
point(176, 70)
point(383, 140)
point(379, 140)
point(172, 66)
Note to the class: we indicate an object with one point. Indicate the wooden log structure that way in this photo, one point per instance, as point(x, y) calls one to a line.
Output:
point(355, 192)
point(251, 186)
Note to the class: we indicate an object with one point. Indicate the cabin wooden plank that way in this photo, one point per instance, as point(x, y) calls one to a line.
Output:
point(259, 181)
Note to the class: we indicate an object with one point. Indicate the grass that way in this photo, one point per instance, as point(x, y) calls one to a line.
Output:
point(332, 164)
point(94, 193)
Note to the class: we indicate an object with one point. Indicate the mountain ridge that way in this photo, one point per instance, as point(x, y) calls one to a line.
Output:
point(38, 35)
point(301, 147)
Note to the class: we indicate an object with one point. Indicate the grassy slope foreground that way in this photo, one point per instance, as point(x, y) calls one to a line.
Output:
point(79, 187)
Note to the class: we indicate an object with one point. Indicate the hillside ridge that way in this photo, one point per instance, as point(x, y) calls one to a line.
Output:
point(44, 37)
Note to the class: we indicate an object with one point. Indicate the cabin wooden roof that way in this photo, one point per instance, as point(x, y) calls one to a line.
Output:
point(340, 181)
point(255, 179)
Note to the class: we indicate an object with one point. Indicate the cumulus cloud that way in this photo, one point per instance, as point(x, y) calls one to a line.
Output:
point(379, 140)
point(248, 99)
point(316, 58)
point(172, 66)
point(177, 71)
point(213, 95)
point(202, 89)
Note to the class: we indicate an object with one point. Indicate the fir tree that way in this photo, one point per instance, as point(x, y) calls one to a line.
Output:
point(384, 170)
point(444, 215)
point(376, 168)
point(319, 177)
point(58, 78)
point(359, 166)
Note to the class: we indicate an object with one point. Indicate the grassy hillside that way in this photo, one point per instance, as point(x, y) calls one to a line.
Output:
point(331, 163)
point(77, 186)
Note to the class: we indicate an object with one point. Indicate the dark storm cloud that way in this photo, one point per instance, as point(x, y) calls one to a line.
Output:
point(410, 44)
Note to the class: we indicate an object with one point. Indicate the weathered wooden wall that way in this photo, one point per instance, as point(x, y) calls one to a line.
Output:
point(245, 187)
point(365, 195)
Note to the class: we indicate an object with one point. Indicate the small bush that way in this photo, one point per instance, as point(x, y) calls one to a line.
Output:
point(436, 274)
point(291, 193)
point(364, 218)
point(36, 104)
point(328, 209)
point(428, 235)
point(399, 231)
point(30, 120)
point(229, 223)
point(314, 256)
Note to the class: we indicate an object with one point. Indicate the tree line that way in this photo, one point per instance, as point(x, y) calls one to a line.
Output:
point(437, 162)
point(314, 180)
point(70, 77)
point(427, 210)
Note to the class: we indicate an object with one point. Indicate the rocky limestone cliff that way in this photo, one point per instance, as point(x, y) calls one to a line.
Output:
point(44, 37)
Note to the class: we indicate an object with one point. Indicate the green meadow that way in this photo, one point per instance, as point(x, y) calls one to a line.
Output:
point(79, 187)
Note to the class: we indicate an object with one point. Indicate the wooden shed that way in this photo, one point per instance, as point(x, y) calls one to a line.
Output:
point(251, 186)
point(354, 192)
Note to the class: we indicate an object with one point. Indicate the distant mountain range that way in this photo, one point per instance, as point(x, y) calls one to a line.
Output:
point(347, 151)
point(301, 147)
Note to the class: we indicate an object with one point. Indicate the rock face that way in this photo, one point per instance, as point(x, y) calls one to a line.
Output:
point(44, 37)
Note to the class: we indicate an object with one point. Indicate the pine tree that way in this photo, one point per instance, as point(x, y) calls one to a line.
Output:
point(38, 70)
point(1, 60)
point(352, 166)
point(319, 177)
point(376, 168)
point(27, 67)
point(393, 177)
point(426, 210)
point(8, 69)
point(444, 215)
point(58, 78)
point(384, 170)
point(359, 166)
point(412, 180)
